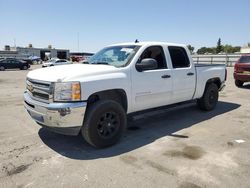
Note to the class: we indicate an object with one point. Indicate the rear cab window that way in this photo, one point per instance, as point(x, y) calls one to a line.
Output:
point(244, 59)
point(179, 57)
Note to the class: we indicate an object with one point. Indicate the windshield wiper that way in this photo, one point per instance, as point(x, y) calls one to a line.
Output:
point(101, 63)
point(85, 62)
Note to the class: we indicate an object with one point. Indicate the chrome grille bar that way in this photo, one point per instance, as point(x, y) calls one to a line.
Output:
point(40, 90)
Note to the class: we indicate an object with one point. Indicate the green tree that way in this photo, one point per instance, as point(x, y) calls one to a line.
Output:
point(201, 50)
point(205, 50)
point(191, 48)
point(219, 46)
point(248, 44)
point(231, 49)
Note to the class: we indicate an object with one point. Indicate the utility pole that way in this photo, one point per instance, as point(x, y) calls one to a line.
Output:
point(15, 43)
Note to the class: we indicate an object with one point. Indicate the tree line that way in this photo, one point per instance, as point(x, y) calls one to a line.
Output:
point(218, 49)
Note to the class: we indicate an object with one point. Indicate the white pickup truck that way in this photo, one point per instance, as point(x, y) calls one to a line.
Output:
point(95, 98)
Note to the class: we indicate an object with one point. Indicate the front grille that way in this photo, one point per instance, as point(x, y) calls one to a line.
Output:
point(41, 95)
point(39, 90)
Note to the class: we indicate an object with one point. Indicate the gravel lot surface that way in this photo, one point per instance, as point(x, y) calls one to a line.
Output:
point(179, 147)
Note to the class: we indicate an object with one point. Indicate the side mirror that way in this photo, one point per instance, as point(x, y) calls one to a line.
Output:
point(146, 64)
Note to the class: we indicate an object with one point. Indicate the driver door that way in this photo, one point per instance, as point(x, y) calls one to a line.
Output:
point(152, 88)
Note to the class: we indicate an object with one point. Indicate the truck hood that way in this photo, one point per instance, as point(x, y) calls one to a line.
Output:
point(73, 72)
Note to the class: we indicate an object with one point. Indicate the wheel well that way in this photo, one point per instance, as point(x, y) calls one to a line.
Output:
point(118, 95)
point(214, 80)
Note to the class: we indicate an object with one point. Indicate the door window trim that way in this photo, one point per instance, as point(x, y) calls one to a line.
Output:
point(186, 56)
point(164, 58)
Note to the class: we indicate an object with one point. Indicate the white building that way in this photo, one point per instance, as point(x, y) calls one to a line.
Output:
point(22, 52)
point(245, 50)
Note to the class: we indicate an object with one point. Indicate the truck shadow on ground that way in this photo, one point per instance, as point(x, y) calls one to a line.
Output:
point(246, 86)
point(143, 131)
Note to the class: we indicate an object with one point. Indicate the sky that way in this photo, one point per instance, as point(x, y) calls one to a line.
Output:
point(97, 23)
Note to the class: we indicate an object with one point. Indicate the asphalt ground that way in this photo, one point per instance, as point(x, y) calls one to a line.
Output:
point(178, 147)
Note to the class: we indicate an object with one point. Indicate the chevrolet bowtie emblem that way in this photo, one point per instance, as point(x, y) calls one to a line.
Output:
point(30, 88)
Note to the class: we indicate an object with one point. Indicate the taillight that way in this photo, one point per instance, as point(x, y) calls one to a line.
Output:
point(237, 68)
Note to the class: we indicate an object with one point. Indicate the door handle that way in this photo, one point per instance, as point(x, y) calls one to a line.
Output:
point(166, 76)
point(190, 74)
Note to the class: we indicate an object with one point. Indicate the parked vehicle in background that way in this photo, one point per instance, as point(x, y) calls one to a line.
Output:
point(34, 59)
point(242, 70)
point(77, 58)
point(55, 62)
point(94, 99)
point(27, 61)
point(12, 63)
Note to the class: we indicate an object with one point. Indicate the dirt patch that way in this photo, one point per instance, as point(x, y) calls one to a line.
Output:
point(131, 160)
point(16, 152)
point(189, 152)
point(160, 168)
point(11, 169)
point(230, 143)
point(188, 185)
point(243, 117)
point(128, 159)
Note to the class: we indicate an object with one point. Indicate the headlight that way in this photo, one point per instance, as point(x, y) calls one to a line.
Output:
point(67, 91)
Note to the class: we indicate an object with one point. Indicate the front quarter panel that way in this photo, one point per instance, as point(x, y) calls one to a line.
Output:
point(97, 83)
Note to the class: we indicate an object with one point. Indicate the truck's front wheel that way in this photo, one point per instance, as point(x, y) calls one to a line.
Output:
point(104, 123)
point(209, 98)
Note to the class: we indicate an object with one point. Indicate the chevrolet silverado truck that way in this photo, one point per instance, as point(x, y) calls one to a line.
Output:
point(94, 98)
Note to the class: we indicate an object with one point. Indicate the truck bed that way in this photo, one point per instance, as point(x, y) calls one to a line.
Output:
point(207, 65)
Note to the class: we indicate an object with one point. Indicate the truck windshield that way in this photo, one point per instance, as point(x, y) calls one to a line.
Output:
point(118, 56)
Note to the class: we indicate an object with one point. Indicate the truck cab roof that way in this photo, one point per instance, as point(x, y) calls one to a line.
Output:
point(148, 43)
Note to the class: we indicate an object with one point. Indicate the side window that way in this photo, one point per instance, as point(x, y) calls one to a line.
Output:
point(179, 57)
point(157, 53)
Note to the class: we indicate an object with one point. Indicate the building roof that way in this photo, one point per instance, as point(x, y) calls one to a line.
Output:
point(48, 49)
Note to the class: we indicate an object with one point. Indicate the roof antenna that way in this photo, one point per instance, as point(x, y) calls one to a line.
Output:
point(136, 41)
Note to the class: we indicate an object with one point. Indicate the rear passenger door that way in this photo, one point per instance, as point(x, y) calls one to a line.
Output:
point(183, 74)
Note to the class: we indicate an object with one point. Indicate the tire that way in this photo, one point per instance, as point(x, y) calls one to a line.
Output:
point(210, 97)
point(104, 123)
point(2, 68)
point(24, 67)
point(238, 83)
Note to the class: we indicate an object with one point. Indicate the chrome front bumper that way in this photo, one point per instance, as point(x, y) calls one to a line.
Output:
point(64, 118)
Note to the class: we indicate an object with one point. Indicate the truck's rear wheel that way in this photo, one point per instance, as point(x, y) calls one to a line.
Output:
point(238, 83)
point(104, 123)
point(209, 98)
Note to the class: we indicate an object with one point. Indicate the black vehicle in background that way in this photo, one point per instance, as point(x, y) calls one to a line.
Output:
point(12, 63)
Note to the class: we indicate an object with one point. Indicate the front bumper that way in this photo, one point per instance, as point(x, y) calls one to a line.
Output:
point(63, 118)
